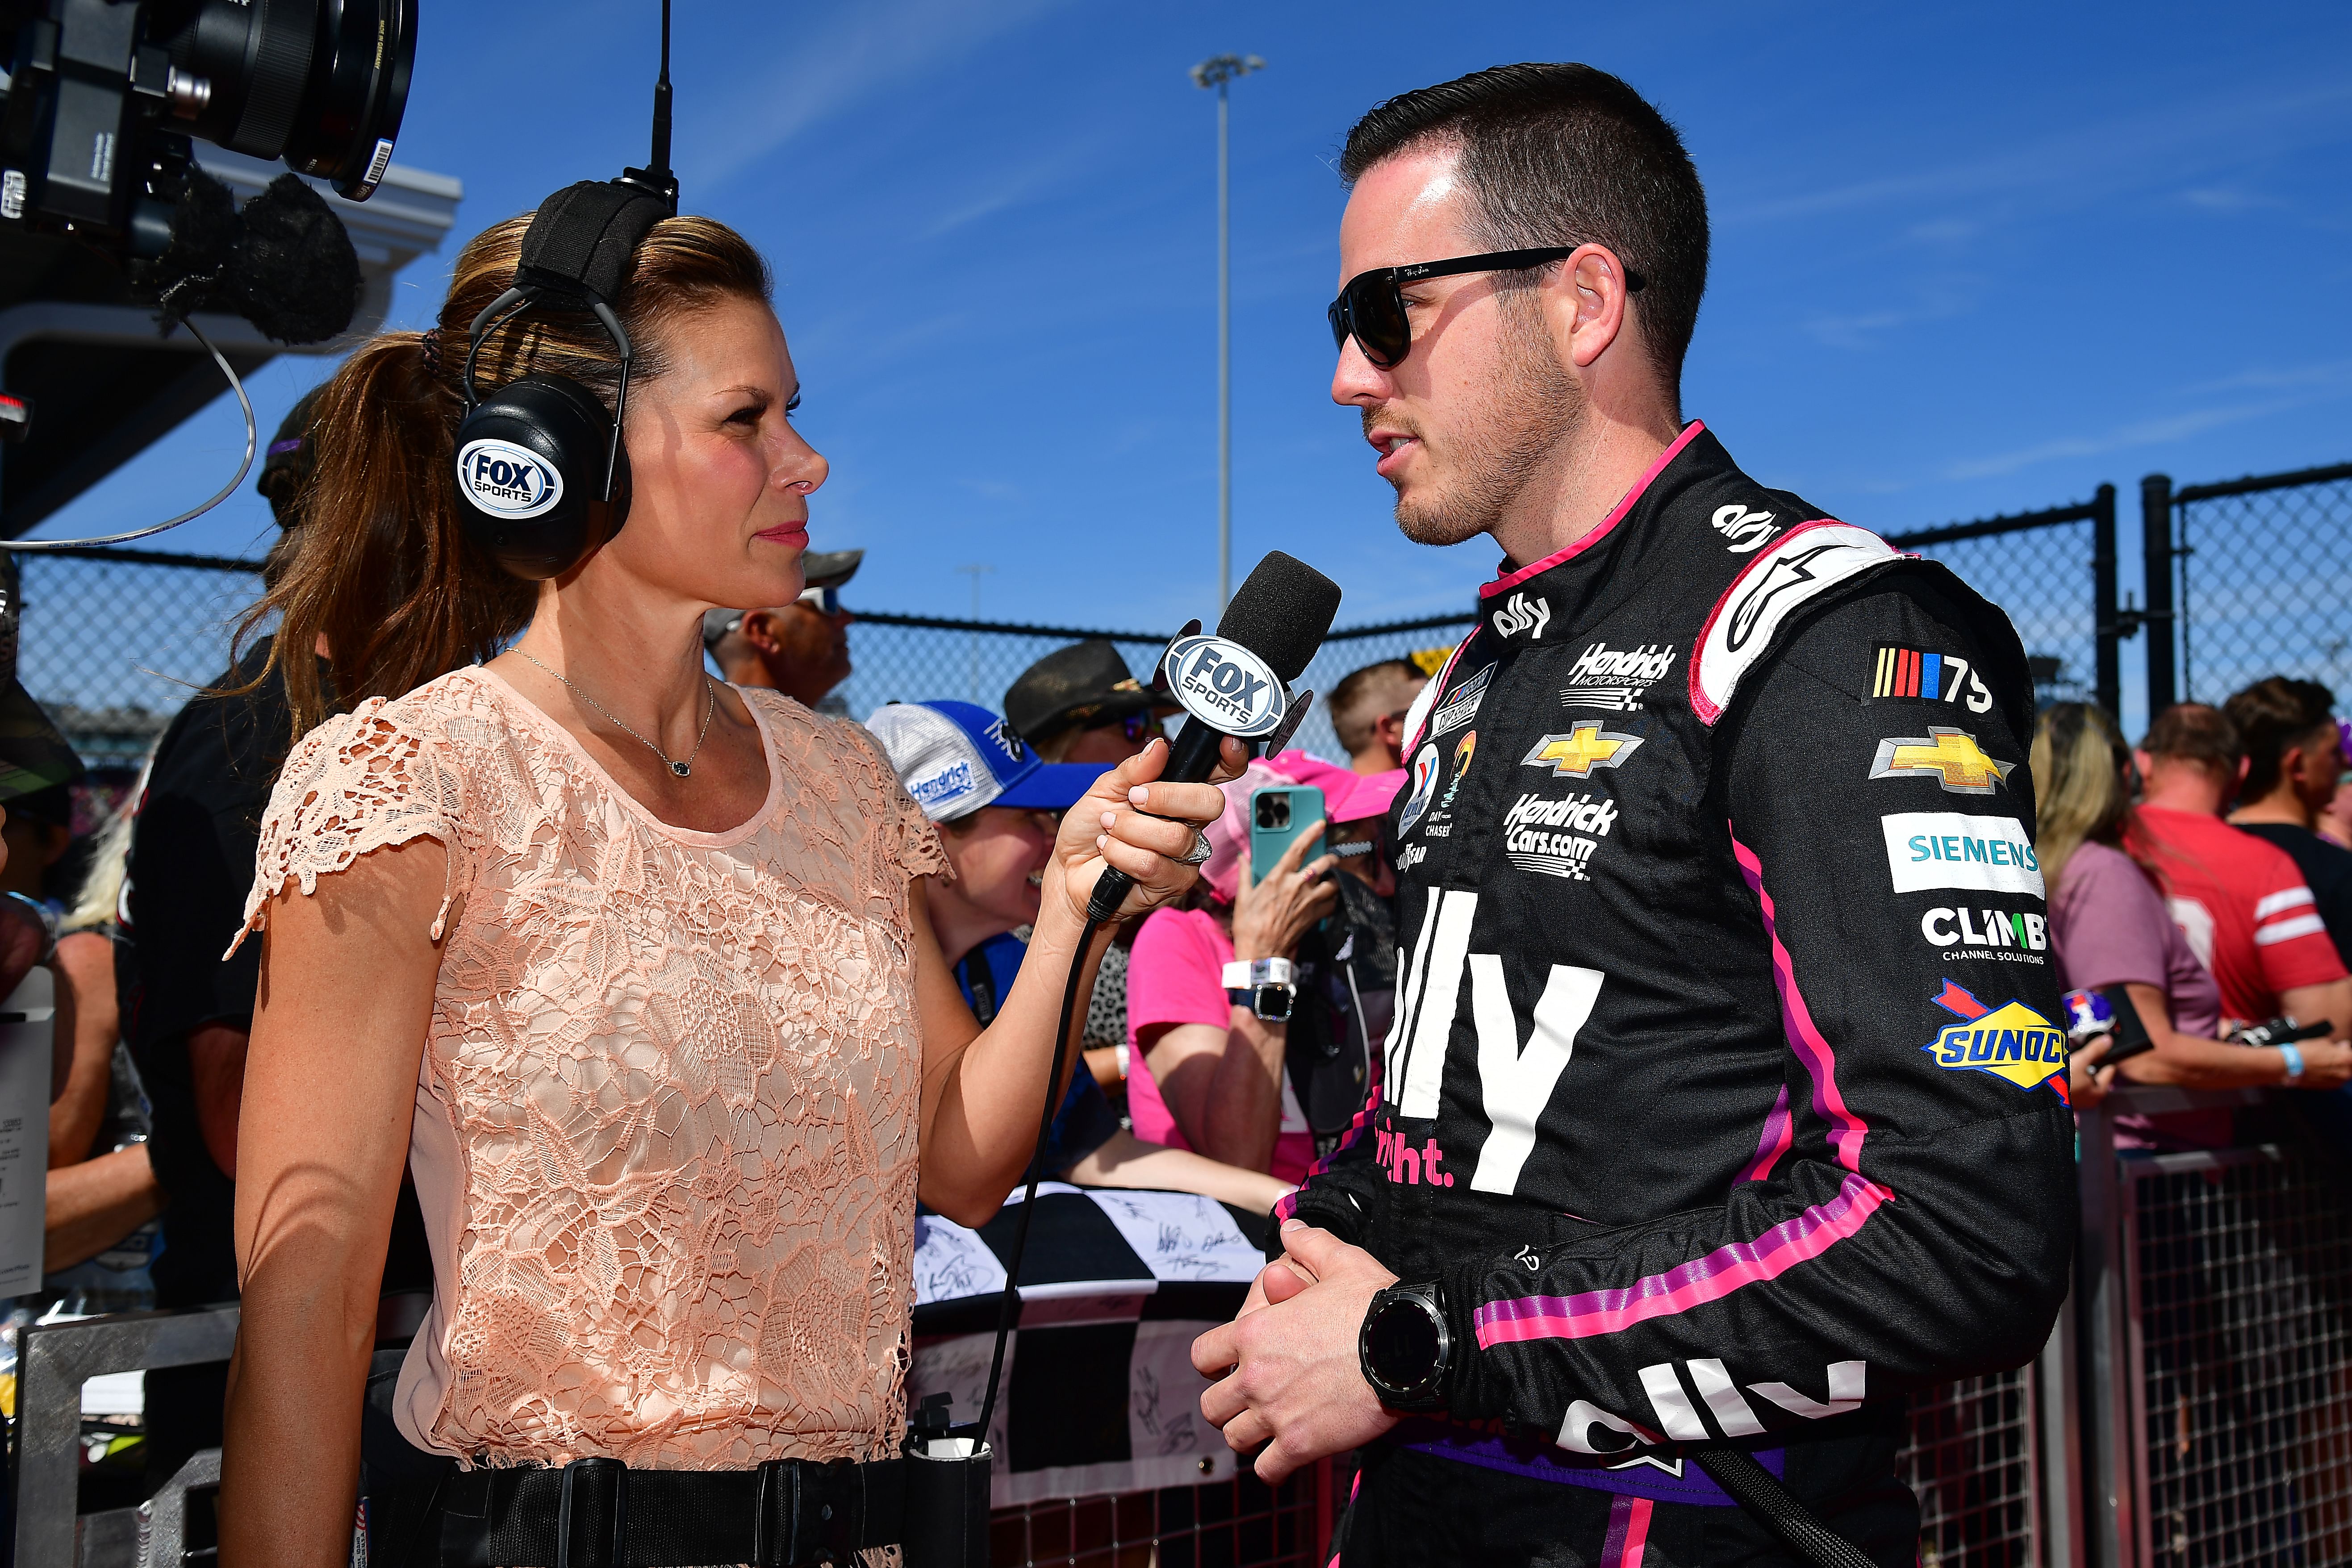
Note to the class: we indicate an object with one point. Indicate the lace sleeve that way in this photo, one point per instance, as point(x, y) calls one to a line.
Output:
point(907, 838)
point(363, 781)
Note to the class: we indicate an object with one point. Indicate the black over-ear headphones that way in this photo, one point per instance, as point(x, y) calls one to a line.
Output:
point(543, 477)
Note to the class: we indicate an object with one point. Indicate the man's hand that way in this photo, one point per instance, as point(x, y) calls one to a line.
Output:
point(1288, 1362)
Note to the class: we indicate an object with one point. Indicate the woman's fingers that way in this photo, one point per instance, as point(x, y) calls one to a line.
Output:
point(1196, 803)
point(1233, 756)
point(1296, 853)
point(1146, 832)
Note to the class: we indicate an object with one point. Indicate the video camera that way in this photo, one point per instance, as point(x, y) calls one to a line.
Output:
point(103, 97)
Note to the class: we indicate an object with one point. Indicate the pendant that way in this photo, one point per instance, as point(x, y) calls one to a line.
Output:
point(681, 769)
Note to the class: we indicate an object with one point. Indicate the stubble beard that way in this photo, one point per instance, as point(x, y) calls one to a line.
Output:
point(1531, 408)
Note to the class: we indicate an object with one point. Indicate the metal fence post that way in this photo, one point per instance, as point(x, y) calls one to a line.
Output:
point(2108, 1532)
point(2156, 548)
point(2110, 679)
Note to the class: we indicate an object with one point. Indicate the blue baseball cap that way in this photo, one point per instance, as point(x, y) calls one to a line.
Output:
point(955, 757)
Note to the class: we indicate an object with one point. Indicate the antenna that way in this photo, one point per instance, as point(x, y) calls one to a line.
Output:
point(657, 177)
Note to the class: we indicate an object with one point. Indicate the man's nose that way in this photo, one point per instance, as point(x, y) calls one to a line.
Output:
point(1355, 380)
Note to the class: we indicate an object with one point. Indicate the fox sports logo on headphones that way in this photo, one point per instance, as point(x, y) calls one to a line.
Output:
point(506, 480)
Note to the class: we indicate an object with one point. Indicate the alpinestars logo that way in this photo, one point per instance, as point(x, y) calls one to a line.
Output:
point(1614, 679)
point(1745, 531)
point(1786, 574)
point(1520, 614)
point(1531, 844)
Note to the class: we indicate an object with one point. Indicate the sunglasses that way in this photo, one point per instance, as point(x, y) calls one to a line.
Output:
point(824, 601)
point(1371, 309)
point(1135, 726)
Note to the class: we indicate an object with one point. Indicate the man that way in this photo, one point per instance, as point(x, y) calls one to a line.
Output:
point(1081, 703)
point(996, 805)
point(1368, 709)
point(2242, 903)
point(801, 649)
point(2294, 754)
point(1685, 1133)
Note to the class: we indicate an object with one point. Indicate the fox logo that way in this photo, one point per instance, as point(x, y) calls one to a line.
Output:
point(1519, 614)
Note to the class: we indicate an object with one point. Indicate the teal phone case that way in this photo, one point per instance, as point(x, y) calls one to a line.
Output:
point(1280, 814)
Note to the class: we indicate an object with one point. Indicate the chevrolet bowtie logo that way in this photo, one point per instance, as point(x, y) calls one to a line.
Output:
point(1950, 757)
point(1582, 751)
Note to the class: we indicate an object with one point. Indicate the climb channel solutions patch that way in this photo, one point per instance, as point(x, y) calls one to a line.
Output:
point(2010, 1041)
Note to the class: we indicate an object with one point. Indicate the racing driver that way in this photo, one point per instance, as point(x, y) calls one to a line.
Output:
point(1726, 1098)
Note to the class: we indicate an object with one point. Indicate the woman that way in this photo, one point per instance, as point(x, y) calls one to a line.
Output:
point(1206, 1072)
point(660, 1043)
point(2109, 925)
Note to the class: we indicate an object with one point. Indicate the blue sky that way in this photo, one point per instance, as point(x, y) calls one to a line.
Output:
point(1967, 259)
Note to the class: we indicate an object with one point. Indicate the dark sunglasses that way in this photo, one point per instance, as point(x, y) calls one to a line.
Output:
point(1135, 726)
point(1371, 309)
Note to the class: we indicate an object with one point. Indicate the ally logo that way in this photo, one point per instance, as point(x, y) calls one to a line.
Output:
point(506, 480)
point(1520, 614)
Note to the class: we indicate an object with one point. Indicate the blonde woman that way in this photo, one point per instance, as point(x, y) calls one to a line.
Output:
point(631, 968)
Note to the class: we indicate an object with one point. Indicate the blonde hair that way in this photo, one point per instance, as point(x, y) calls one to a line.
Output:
point(2079, 763)
point(380, 565)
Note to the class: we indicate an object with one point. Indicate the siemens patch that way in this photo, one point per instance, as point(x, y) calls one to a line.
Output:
point(2010, 1041)
point(1952, 849)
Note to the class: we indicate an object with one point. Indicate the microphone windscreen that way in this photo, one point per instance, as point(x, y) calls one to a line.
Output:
point(1281, 613)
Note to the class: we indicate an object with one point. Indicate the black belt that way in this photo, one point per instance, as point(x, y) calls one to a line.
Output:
point(599, 1513)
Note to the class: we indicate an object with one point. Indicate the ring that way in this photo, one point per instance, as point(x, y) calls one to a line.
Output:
point(1200, 852)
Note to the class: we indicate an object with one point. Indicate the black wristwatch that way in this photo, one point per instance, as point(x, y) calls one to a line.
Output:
point(1406, 1348)
point(1261, 984)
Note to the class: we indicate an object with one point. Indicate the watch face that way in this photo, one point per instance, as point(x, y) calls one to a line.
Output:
point(1273, 1004)
point(1401, 1342)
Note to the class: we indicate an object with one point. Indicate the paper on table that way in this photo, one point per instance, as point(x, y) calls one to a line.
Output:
point(1181, 1236)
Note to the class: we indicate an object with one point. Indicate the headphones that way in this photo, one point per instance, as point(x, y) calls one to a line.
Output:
point(542, 475)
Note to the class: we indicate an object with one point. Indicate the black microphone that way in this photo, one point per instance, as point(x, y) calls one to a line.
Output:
point(1277, 620)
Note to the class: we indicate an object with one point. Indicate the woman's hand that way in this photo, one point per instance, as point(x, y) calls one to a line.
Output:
point(1271, 916)
point(1132, 821)
point(2088, 1082)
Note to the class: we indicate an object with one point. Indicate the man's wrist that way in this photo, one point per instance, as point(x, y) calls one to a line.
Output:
point(2293, 1057)
point(1406, 1347)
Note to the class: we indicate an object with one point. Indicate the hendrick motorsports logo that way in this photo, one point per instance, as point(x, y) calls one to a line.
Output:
point(1226, 686)
point(953, 782)
point(1550, 836)
point(1615, 678)
point(506, 480)
point(2010, 1041)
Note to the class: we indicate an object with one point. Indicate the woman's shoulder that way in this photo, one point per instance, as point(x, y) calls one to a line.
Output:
point(417, 743)
point(827, 742)
point(1179, 935)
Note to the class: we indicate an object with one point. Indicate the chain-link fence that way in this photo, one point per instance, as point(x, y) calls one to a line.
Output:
point(2241, 1265)
point(1237, 1523)
point(2054, 572)
point(2264, 575)
point(1972, 1461)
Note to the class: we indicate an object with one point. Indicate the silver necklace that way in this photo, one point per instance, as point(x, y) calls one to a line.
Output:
point(683, 770)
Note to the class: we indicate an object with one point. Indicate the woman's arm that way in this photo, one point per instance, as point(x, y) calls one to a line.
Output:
point(96, 1204)
point(1126, 1160)
point(984, 1090)
point(338, 1027)
point(85, 975)
point(1224, 1087)
point(2194, 1063)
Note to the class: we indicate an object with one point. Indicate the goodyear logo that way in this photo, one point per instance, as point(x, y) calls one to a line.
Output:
point(2010, 1042)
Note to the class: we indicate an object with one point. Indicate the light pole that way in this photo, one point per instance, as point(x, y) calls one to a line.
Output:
point(1216, 71)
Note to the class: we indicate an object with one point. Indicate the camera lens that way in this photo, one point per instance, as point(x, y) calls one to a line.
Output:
point(321, 83)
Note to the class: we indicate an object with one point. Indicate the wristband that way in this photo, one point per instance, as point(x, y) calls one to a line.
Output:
point(2294, 1062)
point(1244, 973)
point(1124, 1068)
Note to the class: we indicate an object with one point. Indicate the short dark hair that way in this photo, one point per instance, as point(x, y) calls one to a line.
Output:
point(1359, 692)
point(2195, 732)
point(1566, 154)
point(2273, 715)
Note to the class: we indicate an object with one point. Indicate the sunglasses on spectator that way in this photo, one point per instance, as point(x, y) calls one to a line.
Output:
point(824, 600)
point(1371, 309)
point(1135, 726)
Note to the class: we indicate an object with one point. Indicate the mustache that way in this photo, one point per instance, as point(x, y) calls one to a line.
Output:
point(1393, 423)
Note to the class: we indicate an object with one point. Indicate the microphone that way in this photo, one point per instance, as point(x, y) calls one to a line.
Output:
point(1237, 681)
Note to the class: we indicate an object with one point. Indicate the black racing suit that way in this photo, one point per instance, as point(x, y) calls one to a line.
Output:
point(1726, 1098)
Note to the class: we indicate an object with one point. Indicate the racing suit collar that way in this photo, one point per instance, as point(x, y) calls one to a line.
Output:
point(1508, 577)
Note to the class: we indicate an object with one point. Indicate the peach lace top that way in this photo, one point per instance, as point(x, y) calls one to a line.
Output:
point(665, 1120)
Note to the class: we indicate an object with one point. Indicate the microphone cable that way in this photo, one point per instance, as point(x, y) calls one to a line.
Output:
point(1097, 918)
point(252, 442)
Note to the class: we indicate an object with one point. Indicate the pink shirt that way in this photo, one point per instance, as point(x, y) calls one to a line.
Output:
point(1176, 976)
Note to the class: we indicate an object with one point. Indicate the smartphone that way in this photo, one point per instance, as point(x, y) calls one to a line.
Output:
point(1278, 815)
